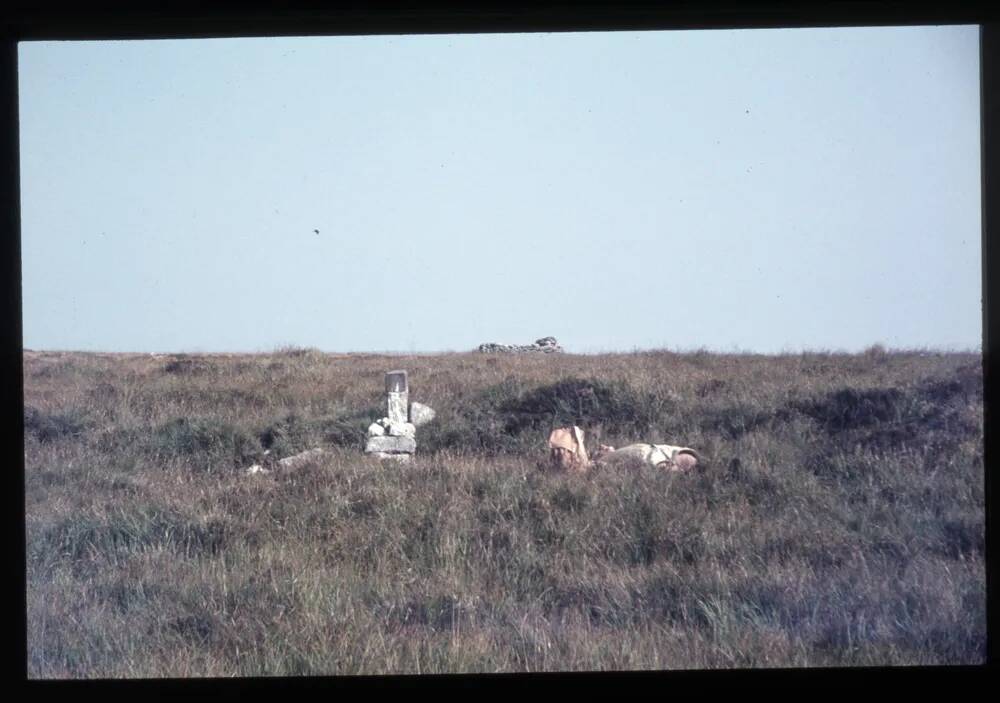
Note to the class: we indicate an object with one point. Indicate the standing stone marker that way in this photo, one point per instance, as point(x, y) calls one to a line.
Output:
point(393, 437)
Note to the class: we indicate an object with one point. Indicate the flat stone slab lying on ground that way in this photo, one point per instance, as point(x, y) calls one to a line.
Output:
point(296, 461)
point(301, 459)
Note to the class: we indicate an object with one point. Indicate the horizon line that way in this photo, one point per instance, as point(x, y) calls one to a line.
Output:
point(293, 349)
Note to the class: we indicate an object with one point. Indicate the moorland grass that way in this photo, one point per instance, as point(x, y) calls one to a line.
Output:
point(838, 519)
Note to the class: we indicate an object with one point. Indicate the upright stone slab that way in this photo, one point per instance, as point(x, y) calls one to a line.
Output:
point(398, 393)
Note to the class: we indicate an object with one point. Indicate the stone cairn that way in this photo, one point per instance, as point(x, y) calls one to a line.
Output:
point(546, 345)
point(395, 436)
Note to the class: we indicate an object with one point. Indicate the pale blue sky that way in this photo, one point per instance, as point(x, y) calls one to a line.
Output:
point(759, 190)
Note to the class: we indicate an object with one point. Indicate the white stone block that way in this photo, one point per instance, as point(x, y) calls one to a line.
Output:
point(395, 445)
point(402, 429)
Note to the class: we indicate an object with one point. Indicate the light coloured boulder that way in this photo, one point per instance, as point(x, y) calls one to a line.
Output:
point(375, 430)
point(421, 414)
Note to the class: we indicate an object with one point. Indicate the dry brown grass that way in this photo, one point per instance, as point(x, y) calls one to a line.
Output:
point(839, 520)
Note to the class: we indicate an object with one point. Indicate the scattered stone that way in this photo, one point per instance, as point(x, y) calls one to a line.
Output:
point(546, 345)
point(375, 430)
point(421, 414)
point(299, 460)
point(268, 463)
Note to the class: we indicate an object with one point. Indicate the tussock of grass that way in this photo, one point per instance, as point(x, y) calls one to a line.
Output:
point(188, 366)
point(295, 433)
point(838, 519)
point(208, 441)
point(616, 406)
point(52, 426)
point(129, 530)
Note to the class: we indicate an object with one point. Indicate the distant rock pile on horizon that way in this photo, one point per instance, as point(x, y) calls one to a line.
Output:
point(546, 345)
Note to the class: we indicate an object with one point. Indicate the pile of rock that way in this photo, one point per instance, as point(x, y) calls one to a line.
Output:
point(395, 436)
point(546, 345)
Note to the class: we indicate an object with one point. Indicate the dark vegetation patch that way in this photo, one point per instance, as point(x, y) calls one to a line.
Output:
point(932, 415)
point(51, 426)
point(851, 409)
point(296, 433)
point(200, 629)
point(54, 369)
point(570, 499)
point(187, 366)
point(507, 418)
point(437, 612)
point(734, 421)
point(966, 384)
point(962, 536)
point(127, 595)
point(616, 406)
point(121, 439)
point(241, 398)
point(712, 387)
point(104, 393)
point(205, 438)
